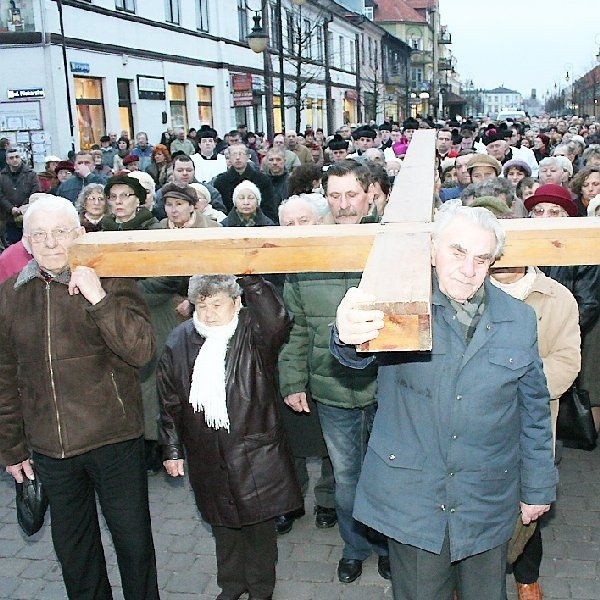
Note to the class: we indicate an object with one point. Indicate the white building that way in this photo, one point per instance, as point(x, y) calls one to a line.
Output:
point(146, 65)
point(500, 98)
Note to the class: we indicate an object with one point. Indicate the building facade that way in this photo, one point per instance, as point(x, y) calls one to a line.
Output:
point(500, 98)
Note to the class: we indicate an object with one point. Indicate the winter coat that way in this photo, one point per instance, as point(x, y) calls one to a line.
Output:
point(305, 362)
point(15, 188)
point(68, 369)
point(246, 475)
point(143, 219)
point(227, 182)
point(48, 180)
point(233, 219)
point(462, 433)
point(70, 188)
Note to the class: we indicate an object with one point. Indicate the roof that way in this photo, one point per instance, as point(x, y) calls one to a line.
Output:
point(396, 10)
point(500, 90)
point(422, 3)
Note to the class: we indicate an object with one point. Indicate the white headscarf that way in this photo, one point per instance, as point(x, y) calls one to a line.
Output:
point(207, 391)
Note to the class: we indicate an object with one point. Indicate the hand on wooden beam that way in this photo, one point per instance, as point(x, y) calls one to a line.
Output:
point(354, 324)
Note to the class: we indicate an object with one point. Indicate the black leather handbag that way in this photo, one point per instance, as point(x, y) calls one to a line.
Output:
point(575, 425)
point(32, 503)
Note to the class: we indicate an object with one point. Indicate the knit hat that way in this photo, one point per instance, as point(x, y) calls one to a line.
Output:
point(185, 192)
point(593, 205)
point(130, 158)
point(554, 194)
point(518, 164)
point(65, 165)
point(138, 189)
point(495, 205)
point(200, 190)
point(484, 160)
point(248, 186)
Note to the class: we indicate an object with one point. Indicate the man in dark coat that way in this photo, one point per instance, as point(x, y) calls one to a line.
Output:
point(277, 173)
point(462, 438)
point(17, 183)
point(83, 174)
point(240, 171)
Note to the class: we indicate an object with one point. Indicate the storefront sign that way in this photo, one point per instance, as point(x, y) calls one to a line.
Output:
point(151, 88)
point(245, 98)
point(20, 116)
point(79, 67)
point(26, 93)
point(241, 82)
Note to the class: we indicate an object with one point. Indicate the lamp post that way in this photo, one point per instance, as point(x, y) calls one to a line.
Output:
point(67, 87)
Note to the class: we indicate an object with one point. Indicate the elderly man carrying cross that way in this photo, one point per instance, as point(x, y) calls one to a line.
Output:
point(462, 435)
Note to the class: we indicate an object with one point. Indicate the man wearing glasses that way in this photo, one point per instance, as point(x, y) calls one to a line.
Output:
point(70, 403)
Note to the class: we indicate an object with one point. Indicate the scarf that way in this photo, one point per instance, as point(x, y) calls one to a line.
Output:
point(207, 391)
point(469, 313)
point(519, 289)
point(190, 223)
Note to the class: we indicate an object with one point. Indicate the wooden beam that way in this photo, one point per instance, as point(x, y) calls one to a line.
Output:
point(541, 242)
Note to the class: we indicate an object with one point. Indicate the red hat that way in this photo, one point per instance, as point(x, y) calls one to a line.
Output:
point(65, 165)
point(130, 158)
point(554, 194)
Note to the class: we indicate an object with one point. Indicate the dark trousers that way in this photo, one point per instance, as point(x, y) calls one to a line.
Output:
point(324, 487)
point(246, 559)
point(526, 568)
point(421, 575)
point(117, 474)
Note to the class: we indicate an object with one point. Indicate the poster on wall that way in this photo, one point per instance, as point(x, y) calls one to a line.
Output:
point(16, 16)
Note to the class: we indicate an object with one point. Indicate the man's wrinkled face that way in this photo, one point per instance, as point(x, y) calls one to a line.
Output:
point(348, 201)
point(279, 141)
point(238, 157)
point(497, 149)
point(60, 232)
point(291, 139)
point(183, 172)
point(297, 212)
point(482, 173)
point(462, 255)
point(276, 164)
point(345, 132)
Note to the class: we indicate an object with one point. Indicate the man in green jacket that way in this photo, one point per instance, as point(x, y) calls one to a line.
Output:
point(345, 397)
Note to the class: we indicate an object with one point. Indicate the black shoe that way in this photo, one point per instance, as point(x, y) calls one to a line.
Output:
point(349, 570)
point(226, 596)
point(383, 567)
point(325, 517)
point(284, 523)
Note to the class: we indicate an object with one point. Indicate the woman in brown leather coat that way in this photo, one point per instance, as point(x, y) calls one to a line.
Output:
point(218, 397)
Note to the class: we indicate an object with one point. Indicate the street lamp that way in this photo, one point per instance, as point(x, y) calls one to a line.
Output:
point(258, 37)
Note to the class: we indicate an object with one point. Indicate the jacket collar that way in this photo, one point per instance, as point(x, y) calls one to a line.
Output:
point(32, 271)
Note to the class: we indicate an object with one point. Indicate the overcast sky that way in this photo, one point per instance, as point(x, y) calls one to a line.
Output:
point(522, 44)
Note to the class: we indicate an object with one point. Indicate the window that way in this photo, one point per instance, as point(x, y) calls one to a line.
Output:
point(353, 56)
point(202, 15)
point(368, 12)
point(416, 77)
point(342, 53)
point(291, 31)
point(125, 112)
point(307, 41)
point(125, 5)
point(370, 44)
point(205, 109)
point(363, 56)
point(177, 105)
point(274, 23)
point(319, 40)
point(90, 110)
point(242, 20)
point(172, 11)
point(416, 43)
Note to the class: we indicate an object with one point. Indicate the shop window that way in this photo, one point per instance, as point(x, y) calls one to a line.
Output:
point(205, 107)
point(90, 110)
point(125, 5)
point(125, 112)
point(177, 105)
point(172, 11)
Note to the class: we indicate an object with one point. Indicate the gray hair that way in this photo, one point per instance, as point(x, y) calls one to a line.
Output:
point(275, 151)
point(550, 161)
point(230, 148)
point(89, 189)
point(295, 199)
point(481, 217)
point(204, 286)
point(593, 151)
point(494, 187)
point(48, 203)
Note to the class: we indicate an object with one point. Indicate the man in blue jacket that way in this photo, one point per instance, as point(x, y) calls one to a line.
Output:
point(461, 441)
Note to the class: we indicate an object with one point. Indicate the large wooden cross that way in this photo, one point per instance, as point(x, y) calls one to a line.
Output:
point(394, 255)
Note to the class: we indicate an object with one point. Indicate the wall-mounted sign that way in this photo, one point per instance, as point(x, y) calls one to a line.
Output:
point(79, 67)
point(16, 16)
point(241, 82)
point(20, 116)
point(245, 98)
point(151, 88)
point(26, 93)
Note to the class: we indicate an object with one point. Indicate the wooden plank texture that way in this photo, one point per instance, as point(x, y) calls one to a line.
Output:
point(562, 241)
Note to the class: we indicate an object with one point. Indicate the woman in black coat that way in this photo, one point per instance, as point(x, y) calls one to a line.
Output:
point(218, 398)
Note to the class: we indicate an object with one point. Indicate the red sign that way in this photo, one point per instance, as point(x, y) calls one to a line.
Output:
point(241, 82)
point(245, 98)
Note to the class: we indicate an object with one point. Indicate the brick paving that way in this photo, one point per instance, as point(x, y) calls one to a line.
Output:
point(307, 556)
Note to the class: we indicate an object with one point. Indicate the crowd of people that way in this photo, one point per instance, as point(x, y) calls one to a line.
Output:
point(427, 459)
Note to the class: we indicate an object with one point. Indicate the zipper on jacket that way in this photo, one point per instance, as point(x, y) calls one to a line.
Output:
point(112, 376)
point(52, 384)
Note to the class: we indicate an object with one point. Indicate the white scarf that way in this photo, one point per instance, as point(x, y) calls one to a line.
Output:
point(519, 289)
point(207, 391)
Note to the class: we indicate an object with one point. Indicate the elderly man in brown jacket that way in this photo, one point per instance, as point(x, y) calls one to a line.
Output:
point(70, 400)
point(559, 344)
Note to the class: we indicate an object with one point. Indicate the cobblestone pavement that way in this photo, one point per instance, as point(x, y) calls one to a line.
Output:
point(307, 556)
